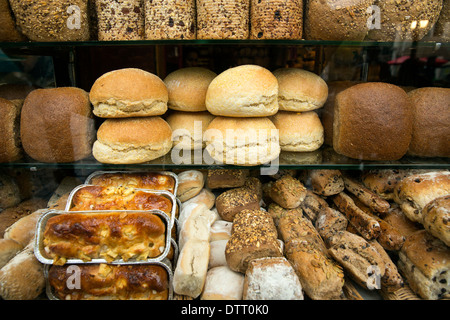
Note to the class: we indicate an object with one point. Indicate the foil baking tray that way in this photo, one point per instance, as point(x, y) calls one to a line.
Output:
point(166, 173)
point(166, 264)
point(168, 195)
point(41, 255)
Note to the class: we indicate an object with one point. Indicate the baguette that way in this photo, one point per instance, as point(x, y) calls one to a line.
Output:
point(367, 226)
point(313, 205)
point(391, 280)
point(326, 182)
point(366, 196)
point(361, 260)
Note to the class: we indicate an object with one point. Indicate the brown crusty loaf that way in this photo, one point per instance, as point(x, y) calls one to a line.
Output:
point(326, 182)
point(327, 112)
point(337, 20)
point(9, 31)
point(170, 20)
point(253, 236)
point(405, 20)
point(120, 20)
point(22, 278)
point(57, 125)
point(397, 219)
point(372, 121)
point(231, 202)
point(442, 27)
point(23, 230)
point(436, 218)
point(111, 282)
point(320, 276)
point(276, 19)
point(226, 178)
point(288, 192)
point(415, 192)
point(52, 20)
point(424, 261)
point(271, 278)
point(10, 144)
point(430, 126)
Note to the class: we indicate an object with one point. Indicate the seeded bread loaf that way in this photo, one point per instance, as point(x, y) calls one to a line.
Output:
point(170, 19)
point(223, 19)
point(120, 20)
point(278, 19)
point(233, 201)
point(52, 20)
point(288, 192)
point(253, 236)
point(9, 31)
point(226, 178)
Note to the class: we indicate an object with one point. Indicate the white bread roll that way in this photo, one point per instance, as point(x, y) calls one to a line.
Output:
point(132, 140)
point(188, 128)
point(299, 132)
point(190, 183)
point(223, 284)
point(221, 230)
point(300, 90)
point(242, 141)
point(192, 265)
point(217, 255)
point(205, 196)
point(187, 88)
point(128, 92)
point(195, 222)
point(243, 91)
point(271, 279)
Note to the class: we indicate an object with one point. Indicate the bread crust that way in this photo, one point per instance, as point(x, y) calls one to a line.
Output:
point(372, 121)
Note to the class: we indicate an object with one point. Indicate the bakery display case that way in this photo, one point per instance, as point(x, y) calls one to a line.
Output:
point(215, 150)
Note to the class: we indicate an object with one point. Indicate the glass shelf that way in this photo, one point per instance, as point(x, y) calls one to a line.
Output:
point(29, 44)
point(321, 159)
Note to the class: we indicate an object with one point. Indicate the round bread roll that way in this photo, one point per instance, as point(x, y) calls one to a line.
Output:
point(57, 125)
point(10, 146)
point(243, 91)
point(405, 20)
point(337, 20)
point(299, 132)
point(132, 140)
point(372, 121)
point(129, 92)
point(431, 129)
point(300, 90)
point(188, 128)
point(187, 88)
point(242, 141)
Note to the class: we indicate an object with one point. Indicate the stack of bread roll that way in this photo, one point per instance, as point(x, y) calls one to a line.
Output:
point(243, 98)
point(188, 116)
point(131, 102)
point(301, 94)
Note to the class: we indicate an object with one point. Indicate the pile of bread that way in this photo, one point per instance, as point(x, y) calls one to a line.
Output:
point(246, 115)
point(352, 20)
point(304, 234)
point(299, 234)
